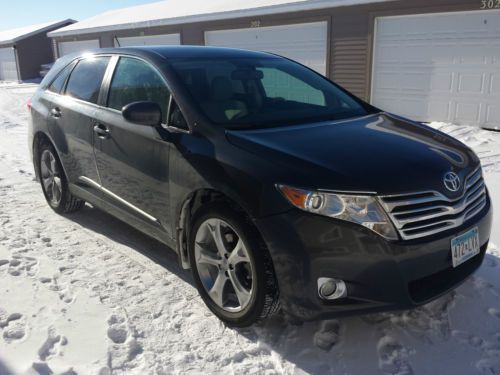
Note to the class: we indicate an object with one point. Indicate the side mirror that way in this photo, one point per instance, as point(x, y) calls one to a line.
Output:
point(143, 113)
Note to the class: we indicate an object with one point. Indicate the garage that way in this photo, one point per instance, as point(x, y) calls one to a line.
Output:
point(8, 66)
point(66, 48)
point(439, 67)
point(148, 40)
point(306, 43)
point(24, 50)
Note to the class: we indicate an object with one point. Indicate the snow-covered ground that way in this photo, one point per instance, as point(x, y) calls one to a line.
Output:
point(87, 294)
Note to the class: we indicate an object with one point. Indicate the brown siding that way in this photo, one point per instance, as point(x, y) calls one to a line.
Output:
point(349, 52)
point(32, 52)
point(350, 41)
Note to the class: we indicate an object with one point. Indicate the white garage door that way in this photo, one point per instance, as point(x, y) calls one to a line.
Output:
point(66, 48)
point(8, 68)
point(442, 67)
point(305, 43)
point(149, 40)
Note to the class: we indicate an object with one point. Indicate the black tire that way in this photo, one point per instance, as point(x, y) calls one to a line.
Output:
point(67, 203)
point(265, 298)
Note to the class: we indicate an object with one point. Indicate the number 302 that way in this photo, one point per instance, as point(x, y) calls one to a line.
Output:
point(490, 4)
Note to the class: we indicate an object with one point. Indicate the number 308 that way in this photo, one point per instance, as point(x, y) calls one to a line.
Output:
point(490, 4)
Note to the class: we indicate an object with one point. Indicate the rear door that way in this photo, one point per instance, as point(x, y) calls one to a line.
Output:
point(133, 160)
point(72, 119)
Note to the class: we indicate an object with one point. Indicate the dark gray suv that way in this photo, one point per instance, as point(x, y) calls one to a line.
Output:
point(273, 184)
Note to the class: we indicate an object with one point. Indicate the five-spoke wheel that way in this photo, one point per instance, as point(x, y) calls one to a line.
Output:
point(50, 176)
point(54, 182)
point(231, 266)
point(224, 265)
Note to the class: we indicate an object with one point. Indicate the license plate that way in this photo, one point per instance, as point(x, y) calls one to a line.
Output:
point(465, 247)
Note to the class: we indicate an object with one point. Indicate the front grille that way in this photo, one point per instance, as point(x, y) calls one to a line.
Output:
point(422, 214)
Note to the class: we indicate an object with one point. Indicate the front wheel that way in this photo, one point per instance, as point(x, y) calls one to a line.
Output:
point(231, 267)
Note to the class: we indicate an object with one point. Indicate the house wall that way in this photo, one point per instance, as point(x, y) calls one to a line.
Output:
point(34, 51)
point(350, 39)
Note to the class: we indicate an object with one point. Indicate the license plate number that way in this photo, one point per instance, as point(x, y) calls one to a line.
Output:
point(465, 247)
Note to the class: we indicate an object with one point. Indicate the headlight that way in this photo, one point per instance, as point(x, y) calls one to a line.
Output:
point(360, 209)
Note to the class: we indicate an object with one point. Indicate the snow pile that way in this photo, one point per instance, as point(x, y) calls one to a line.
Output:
point(485, 143)
point(87, 294)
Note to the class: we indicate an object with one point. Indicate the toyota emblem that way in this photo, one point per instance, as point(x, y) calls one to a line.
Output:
point(452, 181)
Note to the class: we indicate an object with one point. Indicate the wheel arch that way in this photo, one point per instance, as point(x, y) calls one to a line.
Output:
point(40, 138)
point(188, 210)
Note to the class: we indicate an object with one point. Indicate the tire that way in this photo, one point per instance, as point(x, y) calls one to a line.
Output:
point(54, 182)
point(246, 255)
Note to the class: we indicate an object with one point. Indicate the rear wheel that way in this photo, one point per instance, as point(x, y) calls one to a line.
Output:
point(232, 268)
point(54, 182)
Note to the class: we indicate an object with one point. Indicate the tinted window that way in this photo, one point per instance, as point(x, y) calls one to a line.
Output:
point(58, 83)
point(262, 92)
point(280, 85)
point(134, 81)
point(85, 80)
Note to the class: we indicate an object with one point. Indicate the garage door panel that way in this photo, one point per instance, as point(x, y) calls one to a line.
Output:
point(471, 83)
point(439, 109)
point(466, 111)
point(66, 48)
point(442, 82)
point(450, 60)
point(493, 115)
point(495, 84)
point(8, 66)
point(305, 43)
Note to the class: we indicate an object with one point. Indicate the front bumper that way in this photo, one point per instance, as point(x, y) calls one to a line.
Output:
point(380, 275)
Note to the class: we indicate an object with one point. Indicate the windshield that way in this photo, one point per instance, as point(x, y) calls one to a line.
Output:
point(263, 92)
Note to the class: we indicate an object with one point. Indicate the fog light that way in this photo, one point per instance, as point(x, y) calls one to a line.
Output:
point(328, 288)
point(331, 289)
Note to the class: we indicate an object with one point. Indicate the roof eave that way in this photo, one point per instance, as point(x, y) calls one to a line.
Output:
point(275, 9)
point(42, 30)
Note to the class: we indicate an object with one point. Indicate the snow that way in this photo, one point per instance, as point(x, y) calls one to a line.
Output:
point(87, 294)
point(14, 35)
point(172, 12)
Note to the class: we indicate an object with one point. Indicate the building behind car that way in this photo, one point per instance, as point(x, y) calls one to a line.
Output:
point(24, 50)
point(430, 60)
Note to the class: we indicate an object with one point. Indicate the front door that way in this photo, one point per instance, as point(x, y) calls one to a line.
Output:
point(133, 160)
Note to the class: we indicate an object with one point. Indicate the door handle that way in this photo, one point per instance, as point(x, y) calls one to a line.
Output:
point(101, 131)
point(55, 112)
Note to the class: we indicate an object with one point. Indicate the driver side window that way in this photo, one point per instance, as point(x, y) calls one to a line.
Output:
point(133, 81)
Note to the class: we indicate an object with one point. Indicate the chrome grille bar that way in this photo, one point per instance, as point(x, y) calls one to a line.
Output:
point(421, 214)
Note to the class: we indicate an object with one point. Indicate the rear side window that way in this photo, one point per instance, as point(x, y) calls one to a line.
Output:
point(86, 79)
point(58, 84)
point(135, 81)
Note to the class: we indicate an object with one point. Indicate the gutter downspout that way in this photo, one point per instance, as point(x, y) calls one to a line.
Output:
point(16, 57)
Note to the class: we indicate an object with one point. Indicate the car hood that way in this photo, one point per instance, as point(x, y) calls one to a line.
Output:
point(380, 153)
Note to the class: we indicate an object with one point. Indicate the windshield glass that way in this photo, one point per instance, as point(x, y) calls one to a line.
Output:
point(263, 92)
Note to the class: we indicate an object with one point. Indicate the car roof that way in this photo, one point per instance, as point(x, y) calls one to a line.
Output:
point(182, 52)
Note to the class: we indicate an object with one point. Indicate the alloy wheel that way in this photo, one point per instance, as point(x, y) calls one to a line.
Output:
point(51, 178)
point(224, 265)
